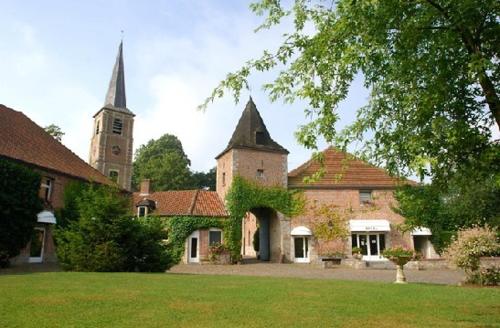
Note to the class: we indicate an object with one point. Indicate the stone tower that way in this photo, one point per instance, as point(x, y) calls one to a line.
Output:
point(112, 136)
point(254, 155)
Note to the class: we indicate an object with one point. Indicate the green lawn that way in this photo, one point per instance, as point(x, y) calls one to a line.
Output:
point(63, 299)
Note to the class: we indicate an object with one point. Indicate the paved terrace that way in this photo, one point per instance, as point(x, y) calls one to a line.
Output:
point(435, 276)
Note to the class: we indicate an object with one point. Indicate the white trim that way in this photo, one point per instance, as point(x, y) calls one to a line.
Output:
point(46, 217)
point(301, 231)
point(421, 231)
point(369, 225)
point(306, 258)
point(139, 211)
point(38, 259)
point(194, 235)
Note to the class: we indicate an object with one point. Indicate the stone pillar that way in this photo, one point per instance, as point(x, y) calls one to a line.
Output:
point(285, 229)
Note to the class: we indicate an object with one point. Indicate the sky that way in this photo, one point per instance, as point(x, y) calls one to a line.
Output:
point(57, 57)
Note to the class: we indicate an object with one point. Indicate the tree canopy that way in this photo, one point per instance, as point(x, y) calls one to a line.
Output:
point(432, 67)
point(165, 163)
point(54, 131)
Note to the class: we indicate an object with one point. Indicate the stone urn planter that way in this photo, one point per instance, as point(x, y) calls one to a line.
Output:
point(399, 256)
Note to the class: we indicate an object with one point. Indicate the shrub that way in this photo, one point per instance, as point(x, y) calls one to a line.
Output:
point(19, 205)
point(469, 246)
point(104, 239)
point(216, 250)
point(487, 276)
point(256, 240)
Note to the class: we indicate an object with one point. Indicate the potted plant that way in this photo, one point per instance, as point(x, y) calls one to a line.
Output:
point(399, 256)
point(356, 253)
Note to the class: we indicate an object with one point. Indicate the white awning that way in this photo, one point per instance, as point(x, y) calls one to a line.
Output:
point(301, 231)
point(46, 217)
point(369, 225)
point(421, 231)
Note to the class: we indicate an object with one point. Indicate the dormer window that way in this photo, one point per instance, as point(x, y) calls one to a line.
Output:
point(260, 138)
point(117, 126)
point(142, 211)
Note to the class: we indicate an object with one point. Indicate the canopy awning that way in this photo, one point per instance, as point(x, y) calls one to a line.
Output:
point(369, 225)
point(421, 231)
point(46, 217)
point(301, 231)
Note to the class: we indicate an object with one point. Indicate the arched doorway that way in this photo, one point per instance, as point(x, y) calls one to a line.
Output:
point(267, 222)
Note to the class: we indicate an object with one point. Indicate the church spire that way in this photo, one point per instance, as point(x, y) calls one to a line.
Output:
point(116, 91)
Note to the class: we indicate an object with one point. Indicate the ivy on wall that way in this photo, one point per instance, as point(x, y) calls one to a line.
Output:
point(244, 195)
point(180, 227)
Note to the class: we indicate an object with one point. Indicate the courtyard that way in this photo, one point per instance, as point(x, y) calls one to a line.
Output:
point(69, 299)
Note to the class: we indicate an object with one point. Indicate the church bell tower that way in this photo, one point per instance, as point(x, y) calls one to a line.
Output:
point(111, 145)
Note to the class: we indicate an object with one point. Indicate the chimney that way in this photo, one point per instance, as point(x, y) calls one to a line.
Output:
point(145, 185)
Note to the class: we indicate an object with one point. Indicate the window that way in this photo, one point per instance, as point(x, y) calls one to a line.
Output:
point(224, 179)
point(372, 244)
point(260, 138)
point(142, 211)
point(46, 189)
point(260, 174)
point(117, 126)
point(365, 196)
point(214, 237)
point(113, 175)
point(97, 127)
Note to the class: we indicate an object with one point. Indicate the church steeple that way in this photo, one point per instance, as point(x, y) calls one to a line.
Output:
point(116, 91)
point(112, 139)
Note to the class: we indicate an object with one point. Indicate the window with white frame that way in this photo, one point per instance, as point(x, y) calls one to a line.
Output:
point(214, 236)
point(46, 188)
point(365, 196)
point(142, 211)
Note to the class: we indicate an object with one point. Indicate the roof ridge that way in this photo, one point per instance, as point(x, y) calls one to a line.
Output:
point(193, 204)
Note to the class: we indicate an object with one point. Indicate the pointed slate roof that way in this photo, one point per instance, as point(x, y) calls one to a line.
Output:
point(251, 133)
point(116, 97)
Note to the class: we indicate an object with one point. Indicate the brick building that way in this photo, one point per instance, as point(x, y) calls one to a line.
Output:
point(361, 192)
point(185, 203)
point(26, 143)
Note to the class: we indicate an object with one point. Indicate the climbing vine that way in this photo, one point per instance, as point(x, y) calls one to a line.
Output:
point(180, 227)
point(245, 195)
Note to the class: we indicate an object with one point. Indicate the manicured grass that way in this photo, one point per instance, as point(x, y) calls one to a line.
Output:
point(64, 299)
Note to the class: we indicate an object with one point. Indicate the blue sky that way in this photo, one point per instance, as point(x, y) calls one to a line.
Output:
point(56, 60)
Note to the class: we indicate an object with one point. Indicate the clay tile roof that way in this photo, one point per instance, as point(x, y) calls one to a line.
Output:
point(185, 203)
point(245, 134)
point(23, 140)
point(355, 173)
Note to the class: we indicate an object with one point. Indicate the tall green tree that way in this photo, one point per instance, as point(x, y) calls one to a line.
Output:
point(164, 162)
point(432, 67)
point(206, 180)
point(19, 205)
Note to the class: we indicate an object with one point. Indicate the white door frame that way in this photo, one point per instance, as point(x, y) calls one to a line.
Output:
point(38, 259)
point(370, 257)
point(305, 259)
point(194, 235)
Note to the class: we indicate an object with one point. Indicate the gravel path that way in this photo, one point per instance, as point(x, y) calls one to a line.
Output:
point(438, 276)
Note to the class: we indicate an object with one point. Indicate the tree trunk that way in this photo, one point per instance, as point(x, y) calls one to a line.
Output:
point(491, 96)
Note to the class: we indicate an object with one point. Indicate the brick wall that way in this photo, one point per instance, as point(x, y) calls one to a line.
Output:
point(347, 200)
